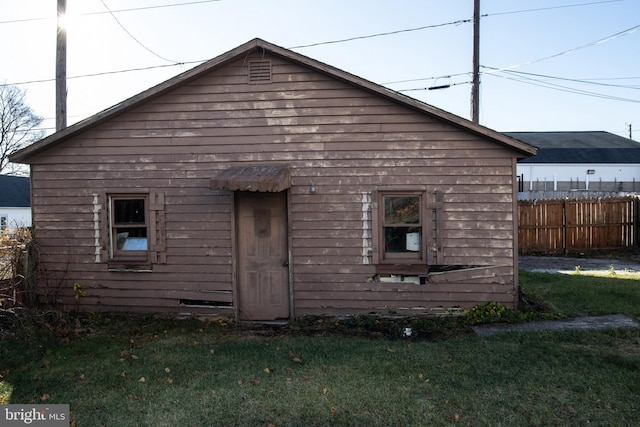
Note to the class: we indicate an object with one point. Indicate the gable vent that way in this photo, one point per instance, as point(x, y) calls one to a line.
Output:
point(260, 71)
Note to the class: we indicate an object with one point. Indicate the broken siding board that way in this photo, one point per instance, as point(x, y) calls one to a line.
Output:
point(470, 274)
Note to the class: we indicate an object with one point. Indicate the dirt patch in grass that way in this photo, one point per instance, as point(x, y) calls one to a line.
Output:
point(365, 326)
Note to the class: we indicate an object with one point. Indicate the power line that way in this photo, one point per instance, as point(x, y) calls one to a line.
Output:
point(444, 86)
point(132, 36)
point(561, 88)
point(584, 46)
point(583, 81)
point(448, 76)
point(13, 21)
point(458, 22)
point(612, 78)
point(104, 73)
point(550, 8)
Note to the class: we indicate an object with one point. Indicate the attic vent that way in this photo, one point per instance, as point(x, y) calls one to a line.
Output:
point(260, 71)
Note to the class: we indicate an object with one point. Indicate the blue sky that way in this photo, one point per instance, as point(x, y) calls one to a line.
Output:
point(552, 41)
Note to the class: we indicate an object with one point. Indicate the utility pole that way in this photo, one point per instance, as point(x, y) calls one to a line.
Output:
point(475, 83)
point(61, 69)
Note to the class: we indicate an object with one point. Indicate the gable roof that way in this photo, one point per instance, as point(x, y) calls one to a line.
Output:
point(579, 147)
point(522, 149)
point(15, 192)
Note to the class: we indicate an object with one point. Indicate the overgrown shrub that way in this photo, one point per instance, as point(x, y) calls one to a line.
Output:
point(16, 257)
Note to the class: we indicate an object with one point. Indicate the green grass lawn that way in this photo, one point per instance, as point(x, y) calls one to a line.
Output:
point(151, 372)
point(581, 294)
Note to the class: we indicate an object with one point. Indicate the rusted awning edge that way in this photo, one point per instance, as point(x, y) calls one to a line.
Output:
point(267, 178)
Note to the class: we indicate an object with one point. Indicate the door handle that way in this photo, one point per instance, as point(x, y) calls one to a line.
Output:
point(285, 264)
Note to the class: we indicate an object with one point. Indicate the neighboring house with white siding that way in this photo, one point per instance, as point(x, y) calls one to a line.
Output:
point(15, 202)
point(579, 161)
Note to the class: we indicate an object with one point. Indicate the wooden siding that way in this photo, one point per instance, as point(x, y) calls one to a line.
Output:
point(344, 140)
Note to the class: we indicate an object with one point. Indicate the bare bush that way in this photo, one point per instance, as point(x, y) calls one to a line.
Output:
point(16, 266)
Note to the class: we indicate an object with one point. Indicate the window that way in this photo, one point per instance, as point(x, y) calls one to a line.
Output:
point(401, 228)
point(129, 228)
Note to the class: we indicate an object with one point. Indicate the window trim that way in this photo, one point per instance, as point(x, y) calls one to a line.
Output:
point(128, 257)
point(381, 257)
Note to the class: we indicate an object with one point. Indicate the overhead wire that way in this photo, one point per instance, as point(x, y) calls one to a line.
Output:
point(407, 30)
point(425, 78)
point(133, 37)
point(522, 77)
point(561, 88)
point(436, 87)
point(583, 81)
point(565, 52)
point(457, 22)
point(134, 9)
point(550, 8)
point(104, 73)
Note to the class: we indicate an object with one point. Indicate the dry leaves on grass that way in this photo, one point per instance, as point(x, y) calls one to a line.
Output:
point(294, 358)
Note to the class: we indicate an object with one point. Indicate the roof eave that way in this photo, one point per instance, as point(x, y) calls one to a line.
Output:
point(23, 155)
point(525, 149)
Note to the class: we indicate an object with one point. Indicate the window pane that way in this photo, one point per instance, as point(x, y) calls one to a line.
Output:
point(130, 211)
point(401, 239)
point(131, 239)
point(402, 209)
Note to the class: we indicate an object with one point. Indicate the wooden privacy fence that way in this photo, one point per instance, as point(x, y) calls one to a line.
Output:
point(569, 225)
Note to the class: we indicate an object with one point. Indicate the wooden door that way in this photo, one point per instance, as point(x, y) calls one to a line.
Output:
point(263, 272)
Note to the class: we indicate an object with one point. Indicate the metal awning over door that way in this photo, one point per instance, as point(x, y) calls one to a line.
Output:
point(266, 178)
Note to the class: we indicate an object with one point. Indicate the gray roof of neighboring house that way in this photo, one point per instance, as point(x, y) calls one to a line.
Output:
point(579, 147)
point(15, 191)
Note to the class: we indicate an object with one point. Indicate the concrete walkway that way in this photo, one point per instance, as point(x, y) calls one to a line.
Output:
point(567, 265)
point(585, 322)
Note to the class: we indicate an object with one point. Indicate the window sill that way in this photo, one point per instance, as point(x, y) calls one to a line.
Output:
point(126, 267)
point(404, 269)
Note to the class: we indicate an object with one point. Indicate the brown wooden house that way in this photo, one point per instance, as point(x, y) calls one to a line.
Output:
point(266, 185)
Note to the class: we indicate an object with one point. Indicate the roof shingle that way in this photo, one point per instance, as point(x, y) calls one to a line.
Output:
point(579, 147)
point(15, 191)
